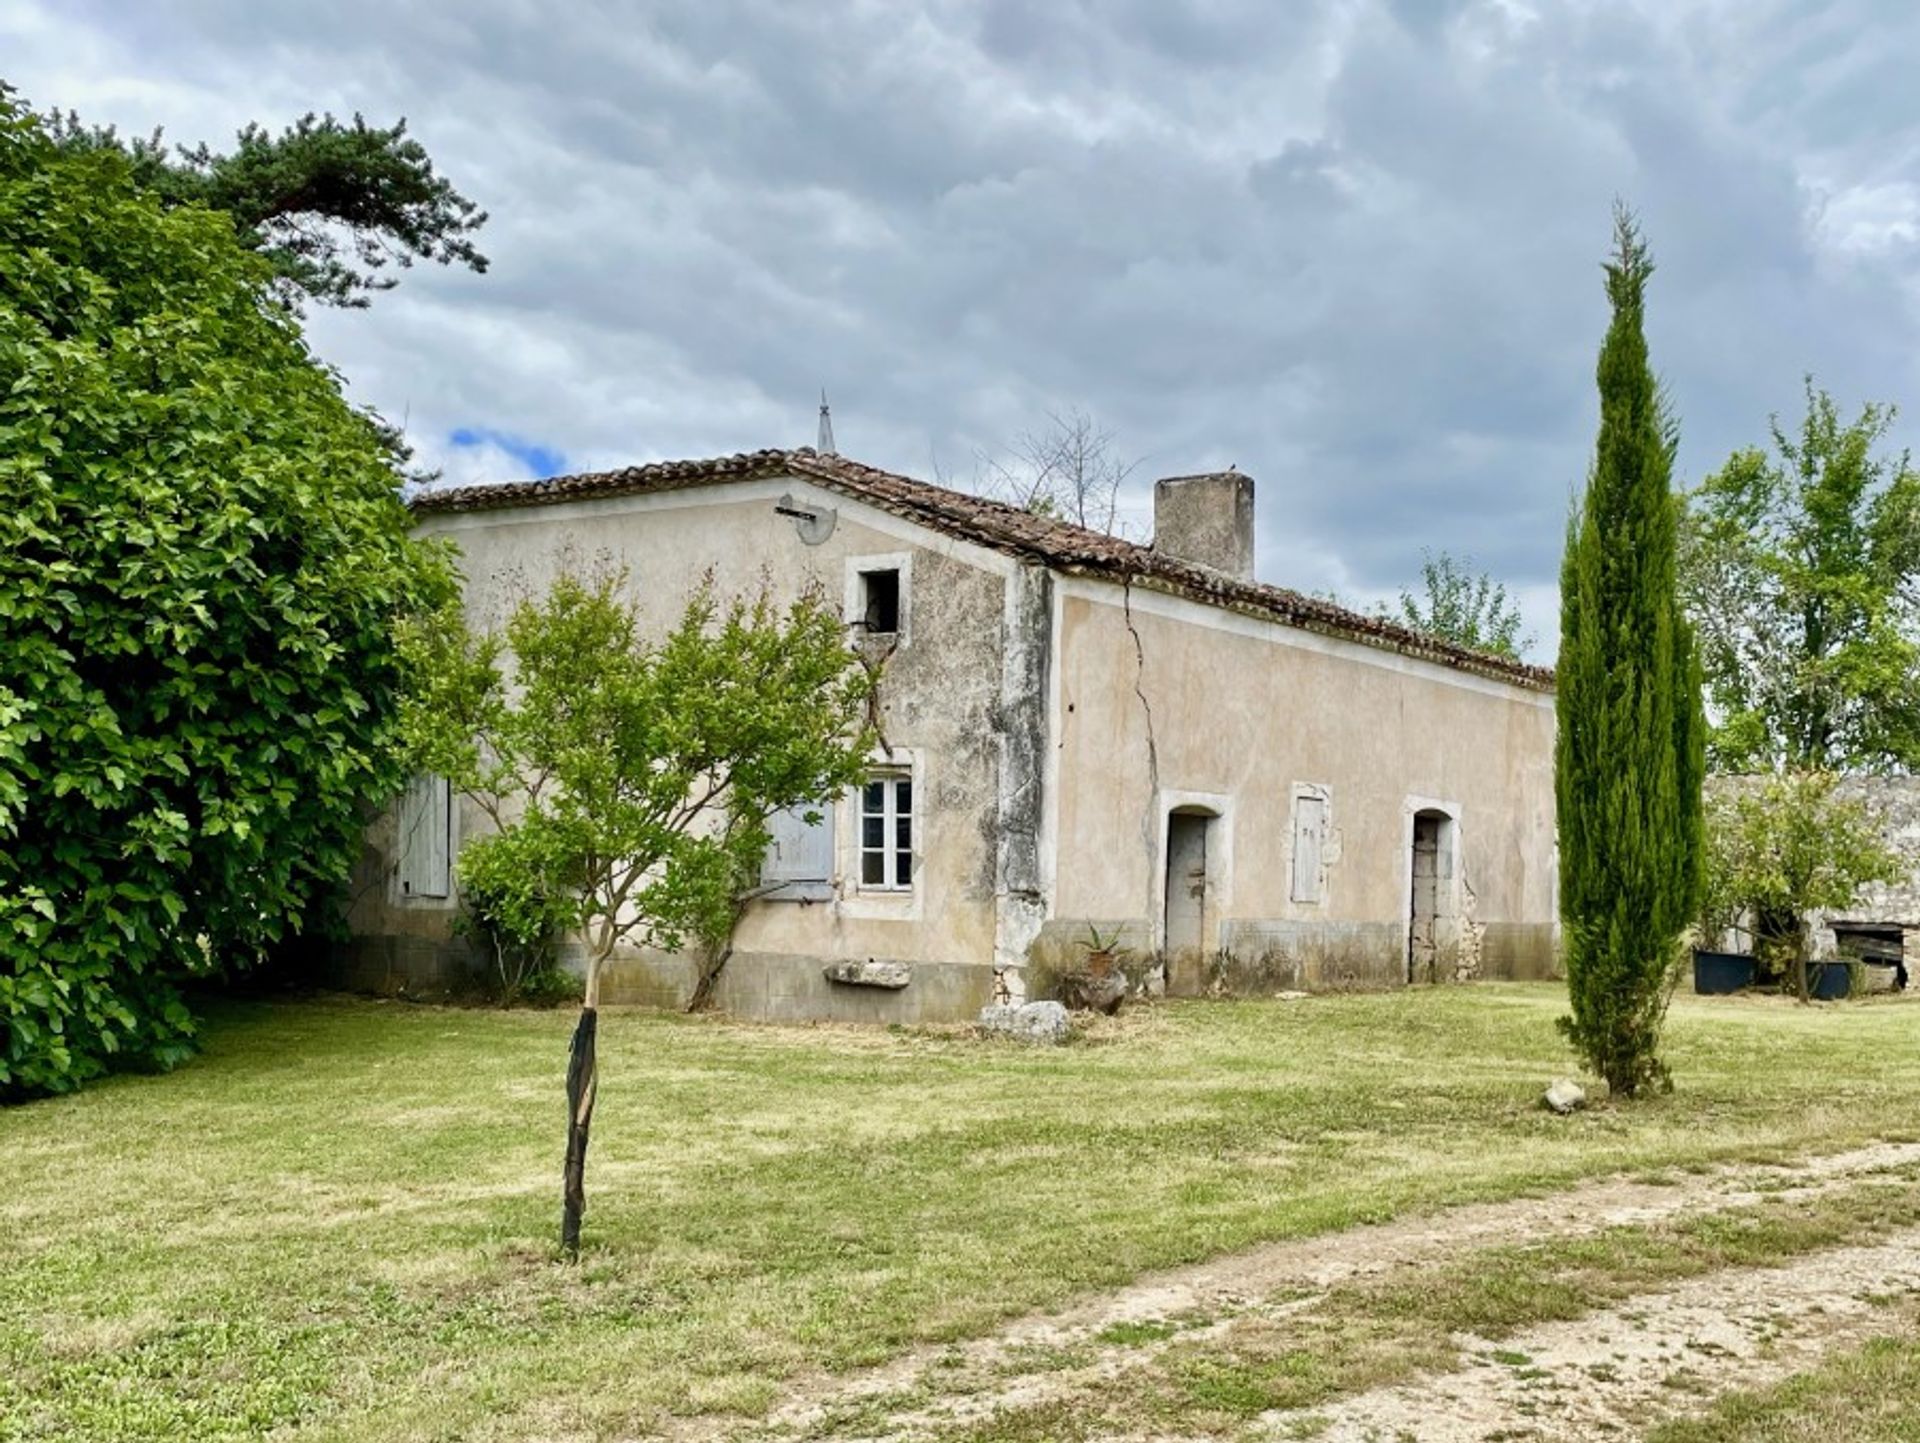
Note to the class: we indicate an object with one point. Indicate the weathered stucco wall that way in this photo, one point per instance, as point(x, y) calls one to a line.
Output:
point(1052, 724)
point(398, 944)
point(1163, 704)
point(951, 707)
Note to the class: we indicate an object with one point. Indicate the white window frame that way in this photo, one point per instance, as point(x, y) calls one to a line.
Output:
point(858, 568)
point(888, 779)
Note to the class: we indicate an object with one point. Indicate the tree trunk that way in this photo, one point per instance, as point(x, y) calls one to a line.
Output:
point(582, 1079)
point(715, 954)
point(711, 967)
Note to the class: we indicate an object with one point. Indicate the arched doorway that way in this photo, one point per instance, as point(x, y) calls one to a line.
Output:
point(1191, 854)
point(1431, 922)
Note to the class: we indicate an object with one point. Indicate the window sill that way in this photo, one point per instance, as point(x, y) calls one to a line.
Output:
point(799, 892)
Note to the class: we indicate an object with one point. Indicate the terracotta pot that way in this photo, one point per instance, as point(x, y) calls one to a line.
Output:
point(1099, 964)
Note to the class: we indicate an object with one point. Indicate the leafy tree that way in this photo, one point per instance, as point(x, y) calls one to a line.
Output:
point(1782, 847)
point(1629, 748)
point(331, 205)
point(1802, 574)
point(634, 777)
point(202, 554)
point(1462, 607)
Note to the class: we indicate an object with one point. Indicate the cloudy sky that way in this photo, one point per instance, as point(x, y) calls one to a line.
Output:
point(1351, 246)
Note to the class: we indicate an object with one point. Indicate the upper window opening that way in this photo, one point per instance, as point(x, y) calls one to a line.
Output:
point(880, 602)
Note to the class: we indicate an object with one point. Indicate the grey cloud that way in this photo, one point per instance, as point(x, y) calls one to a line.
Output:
point(1352, 247)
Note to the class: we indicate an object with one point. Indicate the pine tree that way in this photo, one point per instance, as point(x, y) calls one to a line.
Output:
point(331, 205)
point(1630, 749)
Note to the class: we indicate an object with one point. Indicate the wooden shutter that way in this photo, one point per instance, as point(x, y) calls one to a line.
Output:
point(800, 857)
point(1309, 831)
point(426, 836)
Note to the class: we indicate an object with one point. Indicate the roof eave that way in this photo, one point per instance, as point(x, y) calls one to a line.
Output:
point(1128, 564)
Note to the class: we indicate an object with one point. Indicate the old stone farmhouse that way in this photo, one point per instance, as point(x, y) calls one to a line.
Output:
point(1259, 790)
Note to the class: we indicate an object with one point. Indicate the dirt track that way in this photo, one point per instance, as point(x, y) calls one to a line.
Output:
point(1587, 1377)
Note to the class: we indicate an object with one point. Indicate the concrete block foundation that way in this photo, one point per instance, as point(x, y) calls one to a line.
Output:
point(783, 987)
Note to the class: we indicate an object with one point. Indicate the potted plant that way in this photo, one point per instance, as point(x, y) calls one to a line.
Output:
point(1716, 973)
point(1102, 952)
point(1096, 986)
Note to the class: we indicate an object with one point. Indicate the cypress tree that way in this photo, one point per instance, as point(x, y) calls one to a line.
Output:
point(1629, 753)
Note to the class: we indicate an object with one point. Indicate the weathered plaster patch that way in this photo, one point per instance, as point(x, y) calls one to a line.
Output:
point(1020, 722)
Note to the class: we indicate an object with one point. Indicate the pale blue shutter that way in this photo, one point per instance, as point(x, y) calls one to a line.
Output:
point(800, 856)
point(426, 835)
point(1309, 831)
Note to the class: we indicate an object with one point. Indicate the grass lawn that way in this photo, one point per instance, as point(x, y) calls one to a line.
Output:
point(1870, 1395)
point(337, 1222)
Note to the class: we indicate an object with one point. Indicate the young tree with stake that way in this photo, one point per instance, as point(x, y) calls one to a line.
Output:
point(632, 776)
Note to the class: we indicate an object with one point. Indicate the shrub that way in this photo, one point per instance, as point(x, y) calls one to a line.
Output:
point(202, 554)
point(518, 915)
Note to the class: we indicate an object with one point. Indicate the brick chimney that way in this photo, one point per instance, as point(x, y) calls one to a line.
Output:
point(1206, 520)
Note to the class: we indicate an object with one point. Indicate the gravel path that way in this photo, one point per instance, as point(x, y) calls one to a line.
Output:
point(1610, 1374)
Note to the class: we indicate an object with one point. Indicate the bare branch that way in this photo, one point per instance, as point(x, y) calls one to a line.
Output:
point(1070, 469)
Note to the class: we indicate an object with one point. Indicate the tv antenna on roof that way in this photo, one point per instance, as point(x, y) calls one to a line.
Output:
point(825, 444)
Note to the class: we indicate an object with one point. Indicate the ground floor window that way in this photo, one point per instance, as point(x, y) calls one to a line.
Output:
point(886, 832)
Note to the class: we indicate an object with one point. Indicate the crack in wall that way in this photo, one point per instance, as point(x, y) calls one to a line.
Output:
point(1150, 814)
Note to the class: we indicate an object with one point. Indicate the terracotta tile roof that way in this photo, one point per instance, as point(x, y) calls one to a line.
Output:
point(999, 527)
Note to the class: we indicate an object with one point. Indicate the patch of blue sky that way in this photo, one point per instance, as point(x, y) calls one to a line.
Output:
point(539, 459)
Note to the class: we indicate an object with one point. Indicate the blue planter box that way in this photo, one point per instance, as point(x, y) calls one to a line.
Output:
point(1828, 981)
point(1717, 973)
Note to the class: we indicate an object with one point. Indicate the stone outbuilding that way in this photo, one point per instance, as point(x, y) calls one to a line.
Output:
point(1883, 925)
point(1257, 790)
